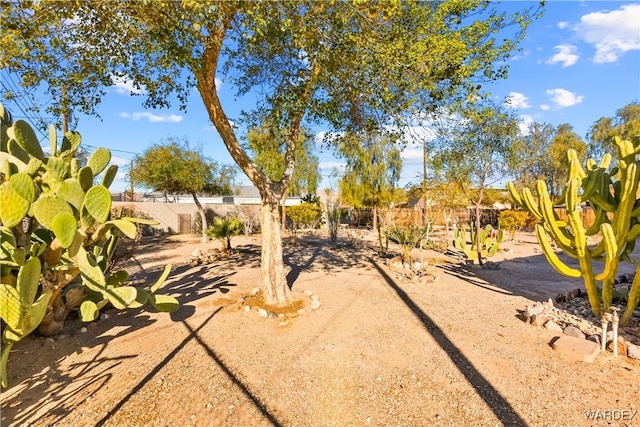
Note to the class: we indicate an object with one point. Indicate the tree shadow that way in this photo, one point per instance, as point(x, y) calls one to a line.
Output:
point(36, 363)
point(492, 397)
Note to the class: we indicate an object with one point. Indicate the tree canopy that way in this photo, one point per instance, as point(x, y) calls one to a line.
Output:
point(542, 154)
point(176, 168)
point(625, 124)
point(345, 64)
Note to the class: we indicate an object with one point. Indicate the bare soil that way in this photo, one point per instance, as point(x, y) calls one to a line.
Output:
point(380, 350)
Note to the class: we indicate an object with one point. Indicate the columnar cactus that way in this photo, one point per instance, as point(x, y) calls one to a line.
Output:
point(490, 240)
point(613, 194)
point(56, 237)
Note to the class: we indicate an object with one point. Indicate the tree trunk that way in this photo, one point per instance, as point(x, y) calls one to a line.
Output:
point(203, 217)
point(274, 279)
point(478, 242)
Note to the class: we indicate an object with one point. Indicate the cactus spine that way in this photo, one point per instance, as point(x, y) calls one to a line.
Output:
point(613, 196)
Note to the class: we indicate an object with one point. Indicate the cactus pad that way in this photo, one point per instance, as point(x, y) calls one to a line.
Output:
point(23, 185)
point(98, 203)
point(27, 139)
point(13, 207)
point(65, 227)
point(48, 206)
point(99, 160)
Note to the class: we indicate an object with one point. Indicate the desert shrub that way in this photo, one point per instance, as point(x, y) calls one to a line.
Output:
point(250, 217)
point(304, 215)
point(512, 221)
point(223, 229)
point(408, 237)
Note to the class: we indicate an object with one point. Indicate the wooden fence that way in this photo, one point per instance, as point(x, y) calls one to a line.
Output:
point(445, 217)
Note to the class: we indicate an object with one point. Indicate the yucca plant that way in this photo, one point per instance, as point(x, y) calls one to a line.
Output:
point(408, 237)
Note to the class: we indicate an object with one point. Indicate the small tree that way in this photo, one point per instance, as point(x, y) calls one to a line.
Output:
point(475, 151)
point(173, 167)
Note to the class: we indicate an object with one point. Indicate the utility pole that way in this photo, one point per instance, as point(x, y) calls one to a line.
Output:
point(131, 179)
point(65, 111)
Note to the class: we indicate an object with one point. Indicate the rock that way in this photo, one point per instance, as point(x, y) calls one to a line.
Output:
point(272, 315)
point(196, 254)
point(578, 349)
point(539, 320)
point(633, 351)
point(104, 316)
point(573, 331)
point(283, 323)
point(622, 347)
point(534, 309)
point(315, 305)
point(262, 312)
point(83, 330)
point(595, 338)
point(548, 304)
point(255, 291)
point(247, 308)
point(315, 297)
point(302, 311)
point(308, 293)
point(552, 326)
point(561, 298)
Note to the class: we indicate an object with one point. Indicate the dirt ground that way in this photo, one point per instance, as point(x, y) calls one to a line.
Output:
point(380, 350)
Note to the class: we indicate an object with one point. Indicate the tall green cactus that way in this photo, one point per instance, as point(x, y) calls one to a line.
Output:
point(57, 237)
point(490, 240)
point(613, 194)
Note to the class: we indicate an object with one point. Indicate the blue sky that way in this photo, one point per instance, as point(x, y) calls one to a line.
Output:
point(579, 62)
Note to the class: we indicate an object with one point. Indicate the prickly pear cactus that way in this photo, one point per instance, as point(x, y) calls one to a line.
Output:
point(57, 237)
point(613, 194)
point(490, 240)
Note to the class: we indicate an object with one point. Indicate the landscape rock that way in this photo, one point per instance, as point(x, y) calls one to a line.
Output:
point(553, 326)
point(622, 347)
point(262, 312)
point(573, 331)
point(315, 305)
point(272, 315)
point(539, 320)
point(633, 351)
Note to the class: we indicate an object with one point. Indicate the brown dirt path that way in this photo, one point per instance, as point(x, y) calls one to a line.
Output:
point(379, 351)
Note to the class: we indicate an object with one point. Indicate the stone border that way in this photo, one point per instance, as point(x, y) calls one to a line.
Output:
point(284, 321)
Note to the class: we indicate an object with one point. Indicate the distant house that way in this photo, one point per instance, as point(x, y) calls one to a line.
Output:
point(178, 213)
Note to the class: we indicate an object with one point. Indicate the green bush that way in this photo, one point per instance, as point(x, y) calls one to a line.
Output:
point(512, 221)
point(304, 215)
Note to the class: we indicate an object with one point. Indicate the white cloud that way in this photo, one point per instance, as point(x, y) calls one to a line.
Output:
point(562, 25)
point(525, 122)
point(563, 97)
point(545, 107)
point(218, 82)
point(517, 100)
point(153, 118)
point(566, 55)
point(611, 32)
point(124, 86)
point(119, 161)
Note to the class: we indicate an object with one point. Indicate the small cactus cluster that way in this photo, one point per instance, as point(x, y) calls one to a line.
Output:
point(57, 236)
point(490, 240)
point(613, 194)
